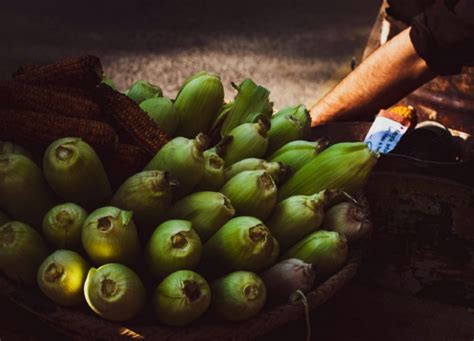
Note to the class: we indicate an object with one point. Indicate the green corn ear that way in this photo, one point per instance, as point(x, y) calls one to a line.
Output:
point(11, 148)
point(109, 235)
point(213, 177)
point(142, 90)
point(287, 128)
point(277, 170)
point(22, 250)
point(275, 253)
point(197, 103)
point(75, 172)
point(250, 100)
point(252, 193)
point(243, 243)
point(163, 112)
point(173, 246)
point(301, 113)
point(245, 141)
point(296, 154)
point(344, 166)
point(207, 211)
point(294, 218)
point(184, 159)
point(327, 251)
point(148, 195)
point(24, 194)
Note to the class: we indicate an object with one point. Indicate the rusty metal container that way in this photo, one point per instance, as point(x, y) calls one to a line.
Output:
point(446, 99)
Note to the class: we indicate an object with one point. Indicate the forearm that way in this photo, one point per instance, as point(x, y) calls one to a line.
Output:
point(385, 77)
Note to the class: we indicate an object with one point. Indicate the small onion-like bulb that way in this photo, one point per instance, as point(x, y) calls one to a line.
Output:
point(238, 296)
point(61, 277)
point(286, 277)
point(114, 292)
point(181, 298)
point(349, 219)
point(62, 225)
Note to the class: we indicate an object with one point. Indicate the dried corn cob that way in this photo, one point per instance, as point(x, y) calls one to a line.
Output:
point(49, 100)
point(85, 71)
point(25, 69)
point(128, 116)
point(38, 130)
point(126, 161)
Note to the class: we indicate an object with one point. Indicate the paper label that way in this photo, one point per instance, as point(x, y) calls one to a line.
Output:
point(384, 135)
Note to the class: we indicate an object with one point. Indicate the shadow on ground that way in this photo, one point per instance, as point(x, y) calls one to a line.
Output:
point(291, 47)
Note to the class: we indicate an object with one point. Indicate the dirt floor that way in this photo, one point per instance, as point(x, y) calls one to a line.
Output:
point(291, 47)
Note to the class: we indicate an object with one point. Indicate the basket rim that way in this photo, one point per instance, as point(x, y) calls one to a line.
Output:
point(79, 323)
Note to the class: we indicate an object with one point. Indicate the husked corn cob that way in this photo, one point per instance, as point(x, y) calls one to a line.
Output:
point(125, 162)
point(63, 101)
point(39, 130)
point(85, 71)
point(132, 120)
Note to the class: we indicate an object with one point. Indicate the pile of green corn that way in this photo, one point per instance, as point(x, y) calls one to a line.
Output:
point(225, 226)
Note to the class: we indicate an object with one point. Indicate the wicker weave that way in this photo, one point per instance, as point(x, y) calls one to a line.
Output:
point(80, 322)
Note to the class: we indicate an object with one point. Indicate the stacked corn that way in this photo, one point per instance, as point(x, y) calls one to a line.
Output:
point(235, 190)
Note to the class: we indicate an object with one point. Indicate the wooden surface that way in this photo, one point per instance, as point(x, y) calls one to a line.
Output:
point(359, 312)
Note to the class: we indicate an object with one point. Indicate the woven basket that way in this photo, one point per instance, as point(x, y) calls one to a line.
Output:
point(83, 323)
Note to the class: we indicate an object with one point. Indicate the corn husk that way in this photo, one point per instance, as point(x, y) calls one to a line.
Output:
point(251, 99)
point(294, 218)
point(108, 81)
point(181, 298)
point(21, 252)
point(344, 166)
point(148, 195)
point(163, 112)
point(24, 194)
point(238, 296)
point(12, 148)
point(243, 243)
point(213, 177)
point(277, 170)
point(252, 193)
point(173, 246)
point(109, 235)
point(142, 90)
point(62, 226)
point(297, 153)
point(245, 141)
point(275, 253)
point(197, 103)
point(61, 277)
point(75, 172)
point(288, 127)
point(184, 159)
point(326, 250)
point(114, 292)
point(207, 211)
